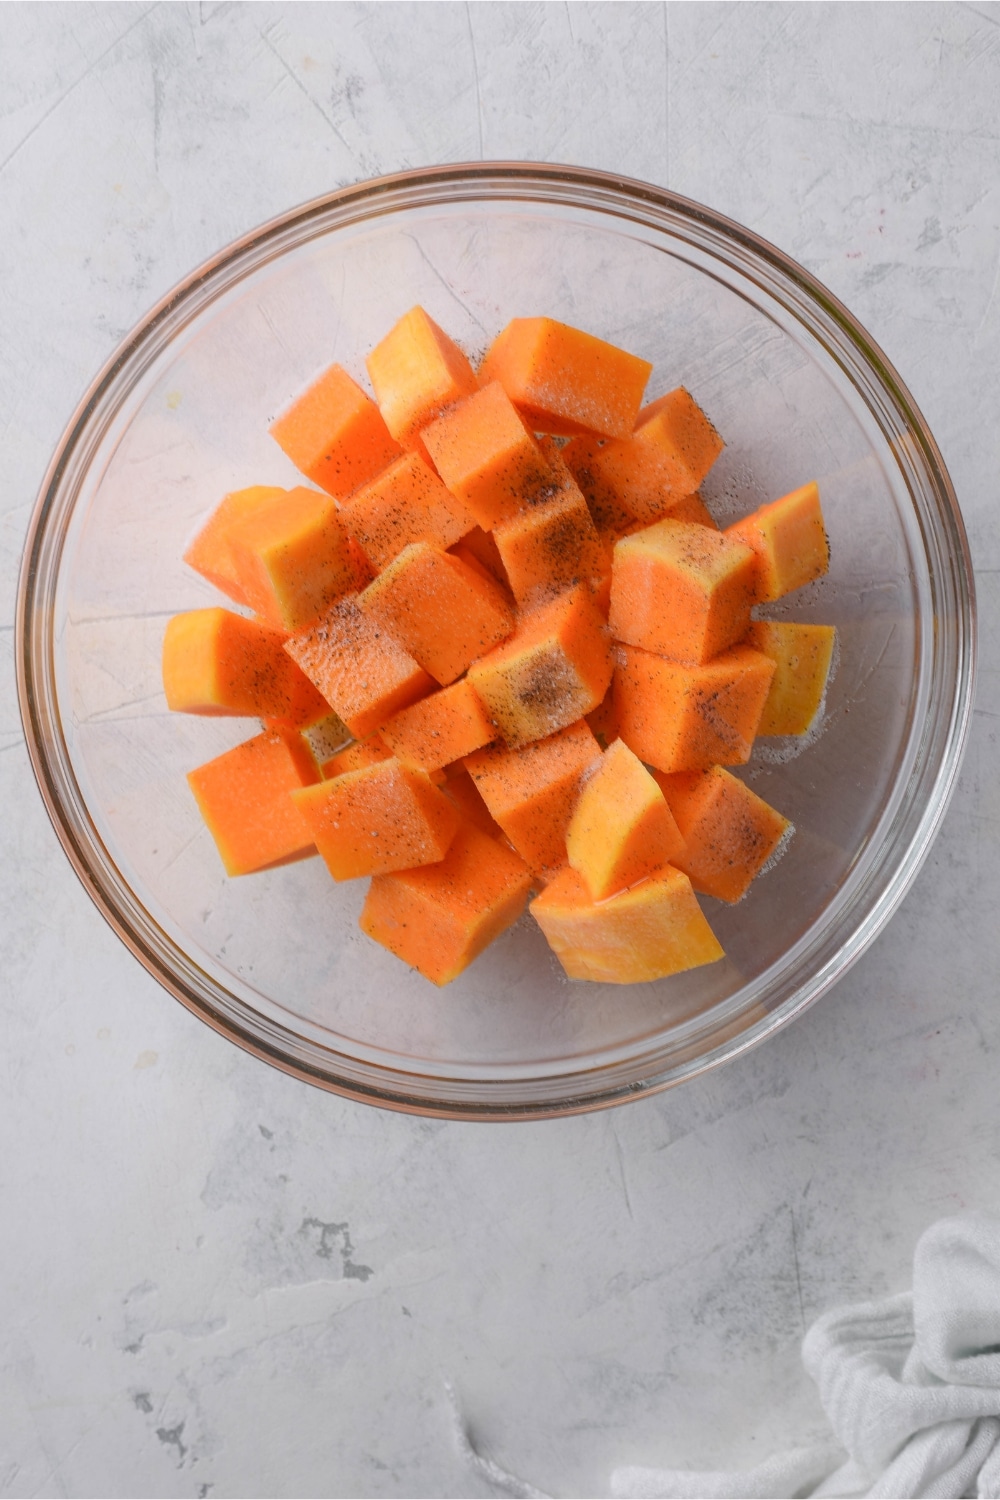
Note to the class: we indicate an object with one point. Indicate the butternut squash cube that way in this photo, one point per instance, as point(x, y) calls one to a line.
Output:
point(358, 667)
point(381, 817)
point(681, 590)
point(441, 917)
point(531, 791)
point(217, 662)
point(801, 656)
point(678, 431)
point(439, 610)
point(406, 503)
point(622, 829)
point(686, 718)
point(651, 930)
point(645, 476)
point(441, 728)
point(292, 558)
point(487, 457)
point(789, 539)
point(245, 799)
point(417, 371)
point(551, 545)
point(554, 669)
point(209, 553)
point(729, 832)
point(565, 381)
point(335, 434)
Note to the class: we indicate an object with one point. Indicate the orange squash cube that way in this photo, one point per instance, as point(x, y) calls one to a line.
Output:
point(649, 474)
point(651, 930)
point(382, 817)
point(440, 610)
point(416, 372)
point(531, 792)
point(406, 503)
point(441, 728)
point(245, 799)
point(789, 539)
point(622, 829)
point(802, 655)
point(440, 917)
point(292, 558)
point(217, 662)
point(209, 553)
point(550, 546)
point(334, 433)
point(681, 590)
point(678, 431)
point(729, 832)
point(554, 669)
point(361, 671)
point(681, 717)
point(487, 457)
point(563, 380)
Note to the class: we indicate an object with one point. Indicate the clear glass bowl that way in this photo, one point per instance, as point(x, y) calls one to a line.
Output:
point(179, 416)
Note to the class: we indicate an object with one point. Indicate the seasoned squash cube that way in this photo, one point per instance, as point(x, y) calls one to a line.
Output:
point(551, 545)
point(441, 728)
point(554, 669)
point(531, 792)
point(218, 662)
point(209, 553)
point(335, 434)
point(417, 371)
point(802, 655)
point(487, 457)
point(292, 558)
point(651, 473)
point(358, 667)
point(439, 610)
point(789, 539)
point(406, 503)
point(681, 590)
point(686, 718)
point(381, 817)
point(563, 380)
point(651, 930)
point(245, 799)
point(622, 829)
point(678, 431)
point(440, 917)
point(729, 832)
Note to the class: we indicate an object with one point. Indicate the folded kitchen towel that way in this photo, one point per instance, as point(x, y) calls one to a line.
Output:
point(910, 1384)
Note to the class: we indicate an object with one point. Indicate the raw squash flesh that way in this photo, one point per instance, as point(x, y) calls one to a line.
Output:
point(490, 660)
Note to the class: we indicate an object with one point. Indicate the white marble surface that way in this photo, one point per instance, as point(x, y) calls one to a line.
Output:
point(216, 1281)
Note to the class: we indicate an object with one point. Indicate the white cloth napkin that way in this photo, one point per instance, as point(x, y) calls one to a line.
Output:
point(910, 1383)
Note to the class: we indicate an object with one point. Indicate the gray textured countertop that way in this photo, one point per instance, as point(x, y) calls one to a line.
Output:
point(217, 1281)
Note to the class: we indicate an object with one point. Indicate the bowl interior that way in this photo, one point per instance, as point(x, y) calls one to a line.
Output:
point(277, 958)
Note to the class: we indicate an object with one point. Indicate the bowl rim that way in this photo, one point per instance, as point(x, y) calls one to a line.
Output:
point(468, 181)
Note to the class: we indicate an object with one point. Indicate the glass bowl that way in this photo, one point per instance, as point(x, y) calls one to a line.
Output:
point(179, 417)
